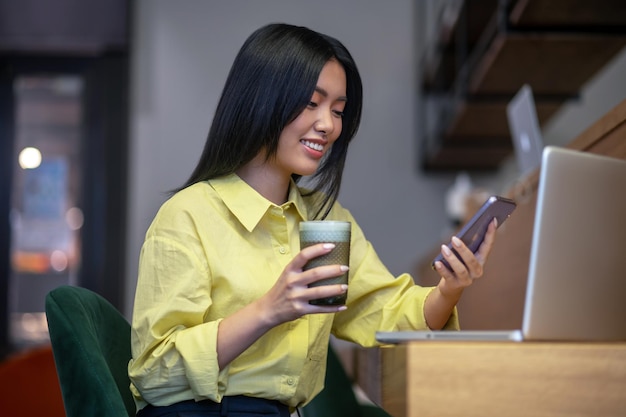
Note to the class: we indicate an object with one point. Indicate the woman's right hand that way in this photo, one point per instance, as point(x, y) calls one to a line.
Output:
point(289, 298)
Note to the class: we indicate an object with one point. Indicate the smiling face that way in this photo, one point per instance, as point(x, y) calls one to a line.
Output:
point(305, 140)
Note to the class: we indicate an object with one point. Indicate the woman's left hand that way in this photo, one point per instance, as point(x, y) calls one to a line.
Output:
point(464, 271)
point(440, 303)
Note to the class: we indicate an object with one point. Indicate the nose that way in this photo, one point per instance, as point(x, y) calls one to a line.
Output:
point(325, 122)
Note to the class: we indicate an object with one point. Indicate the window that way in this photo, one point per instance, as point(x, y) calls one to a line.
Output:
point(45, 217)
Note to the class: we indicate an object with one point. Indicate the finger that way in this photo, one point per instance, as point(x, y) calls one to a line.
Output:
point(326, 291)
point(463, 252)
point(443, 271)
point(473, 266)
point(488, 241)
point(317, 309)
point(310, 252)
point(323, 272)
point(457, 268)
point(301, 299)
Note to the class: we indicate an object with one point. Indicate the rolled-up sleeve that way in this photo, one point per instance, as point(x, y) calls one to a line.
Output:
point(174, 348)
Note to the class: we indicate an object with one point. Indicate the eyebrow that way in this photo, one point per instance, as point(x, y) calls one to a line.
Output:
point(325, 94)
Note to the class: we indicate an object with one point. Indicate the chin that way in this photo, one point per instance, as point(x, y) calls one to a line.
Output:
point(306, 172)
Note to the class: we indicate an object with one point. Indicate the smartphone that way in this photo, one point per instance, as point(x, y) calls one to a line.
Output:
point(473, 233)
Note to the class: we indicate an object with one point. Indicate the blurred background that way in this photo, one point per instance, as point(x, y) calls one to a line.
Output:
point(105, 106)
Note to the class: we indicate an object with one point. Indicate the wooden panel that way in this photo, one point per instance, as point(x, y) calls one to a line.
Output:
point(569, 13)
point(550, 63)
point(478, 136)
point(607, 136)
point(480, 119)
point(502, 289)
point(394, 380)
point(368, 373)
point(504, 379)
point(469, 157)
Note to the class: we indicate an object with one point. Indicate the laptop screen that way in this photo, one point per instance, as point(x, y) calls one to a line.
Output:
point(525, 130)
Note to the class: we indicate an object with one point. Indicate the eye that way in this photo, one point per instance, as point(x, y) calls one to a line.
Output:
point(338, 113)
point(312, 104)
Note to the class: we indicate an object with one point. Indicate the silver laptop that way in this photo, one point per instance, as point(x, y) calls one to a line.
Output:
point(525, 131)
point(577, 273)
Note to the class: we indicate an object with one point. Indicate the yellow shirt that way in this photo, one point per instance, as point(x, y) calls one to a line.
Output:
point(213, 248)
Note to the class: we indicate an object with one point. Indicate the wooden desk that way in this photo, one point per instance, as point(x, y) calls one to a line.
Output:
point(504, 379)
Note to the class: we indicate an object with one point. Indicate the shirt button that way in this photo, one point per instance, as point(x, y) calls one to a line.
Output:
point(290, 381)
point(282, 250)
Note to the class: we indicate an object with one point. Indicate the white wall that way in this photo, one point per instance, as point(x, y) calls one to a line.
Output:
point(181, 55)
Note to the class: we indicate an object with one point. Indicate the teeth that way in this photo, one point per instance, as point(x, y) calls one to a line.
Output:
point(312, 145)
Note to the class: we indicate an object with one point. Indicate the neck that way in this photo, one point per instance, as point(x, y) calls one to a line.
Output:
point(270, 184)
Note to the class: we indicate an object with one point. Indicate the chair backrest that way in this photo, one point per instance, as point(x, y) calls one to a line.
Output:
point(91, 344)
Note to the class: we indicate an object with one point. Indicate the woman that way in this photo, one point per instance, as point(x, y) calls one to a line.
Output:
point(222, 322)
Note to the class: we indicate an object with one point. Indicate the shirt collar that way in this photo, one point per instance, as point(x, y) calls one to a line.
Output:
point(247, 205)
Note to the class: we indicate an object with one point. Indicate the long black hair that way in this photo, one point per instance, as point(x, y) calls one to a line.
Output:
point(270, 83)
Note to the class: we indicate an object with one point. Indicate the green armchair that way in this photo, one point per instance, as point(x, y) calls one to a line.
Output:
point(91, 345)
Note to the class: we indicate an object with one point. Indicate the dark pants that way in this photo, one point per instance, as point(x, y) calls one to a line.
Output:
point(237, 406)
